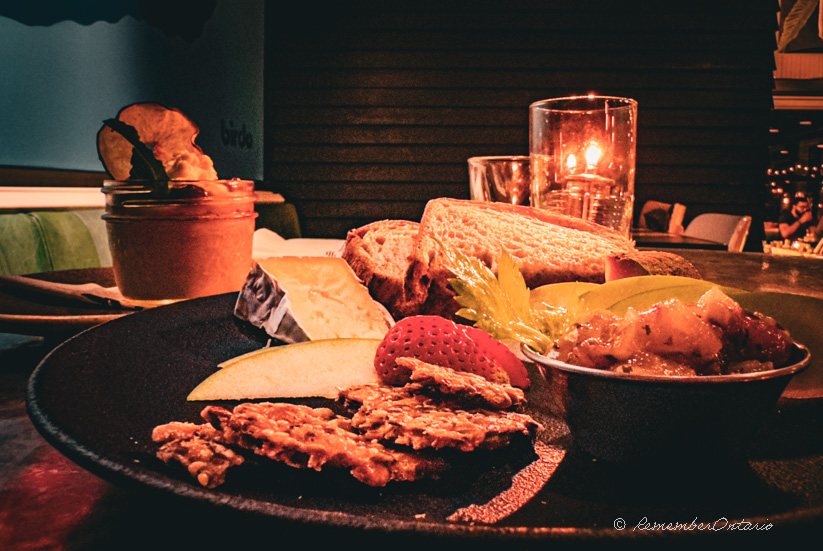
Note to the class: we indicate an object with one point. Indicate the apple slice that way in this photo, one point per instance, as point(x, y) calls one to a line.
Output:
point(318, 368)
point(642, 292)
point(560, 295)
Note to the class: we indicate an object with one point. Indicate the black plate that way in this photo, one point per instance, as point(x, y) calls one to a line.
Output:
point(97, 397)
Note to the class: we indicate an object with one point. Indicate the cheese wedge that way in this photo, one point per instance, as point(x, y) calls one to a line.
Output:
point(309, 369)
point(296, 299)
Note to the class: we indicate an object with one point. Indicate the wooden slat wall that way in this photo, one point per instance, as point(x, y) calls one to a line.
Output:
point(372, 108)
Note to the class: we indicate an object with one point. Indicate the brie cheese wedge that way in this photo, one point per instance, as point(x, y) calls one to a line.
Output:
point(296, 299)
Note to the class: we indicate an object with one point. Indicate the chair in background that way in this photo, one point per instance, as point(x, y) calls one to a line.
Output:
point(729, 229)
point(659, 216)
point(280, 218)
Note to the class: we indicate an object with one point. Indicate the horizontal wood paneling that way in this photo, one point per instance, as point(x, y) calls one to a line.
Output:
point(356, 135)
point(308, 117)
point(327, 176)
point(495, 95)
point(372, 108)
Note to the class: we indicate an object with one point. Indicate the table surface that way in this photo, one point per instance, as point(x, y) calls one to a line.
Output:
point(759, 271)
point(47, 502)
point(656, 239)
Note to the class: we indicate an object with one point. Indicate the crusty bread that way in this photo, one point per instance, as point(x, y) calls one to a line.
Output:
point(378, 253)
point(549, 247)
point(399, 260)
point(640, 263)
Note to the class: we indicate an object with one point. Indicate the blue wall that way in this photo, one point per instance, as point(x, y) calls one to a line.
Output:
point(59, 81)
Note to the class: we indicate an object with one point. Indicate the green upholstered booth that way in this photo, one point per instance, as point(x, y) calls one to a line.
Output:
point(41, 241)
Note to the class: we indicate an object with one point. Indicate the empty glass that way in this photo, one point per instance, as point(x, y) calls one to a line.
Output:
point(502, 178)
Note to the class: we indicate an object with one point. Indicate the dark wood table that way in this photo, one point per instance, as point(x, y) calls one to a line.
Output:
point(759, 271)
point(49, 503)
point(655, 239)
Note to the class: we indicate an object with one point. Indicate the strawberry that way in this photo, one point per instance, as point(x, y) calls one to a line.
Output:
point(439, 341)
point(502, 356)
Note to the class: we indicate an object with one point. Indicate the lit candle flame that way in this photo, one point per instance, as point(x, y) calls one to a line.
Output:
point(571, 162)
point(592, 155)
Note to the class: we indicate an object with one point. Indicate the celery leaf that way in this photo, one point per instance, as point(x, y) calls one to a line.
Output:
point(500, 304)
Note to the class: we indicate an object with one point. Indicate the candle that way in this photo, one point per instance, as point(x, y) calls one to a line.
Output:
point(582, 152)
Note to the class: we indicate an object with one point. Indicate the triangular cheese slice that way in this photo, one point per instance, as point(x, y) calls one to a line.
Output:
point(296, 299)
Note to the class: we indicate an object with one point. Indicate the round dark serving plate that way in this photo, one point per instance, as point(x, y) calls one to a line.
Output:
point(97, 397)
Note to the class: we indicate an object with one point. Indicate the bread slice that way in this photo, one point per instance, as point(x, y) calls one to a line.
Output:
point(549, 247)
point(379, 254)
point(640, 263)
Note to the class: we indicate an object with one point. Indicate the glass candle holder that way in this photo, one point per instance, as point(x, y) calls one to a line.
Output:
point(193, 241)
point(582, 152)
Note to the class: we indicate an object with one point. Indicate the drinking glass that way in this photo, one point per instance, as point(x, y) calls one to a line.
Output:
point(582, 152)
point(500, 178)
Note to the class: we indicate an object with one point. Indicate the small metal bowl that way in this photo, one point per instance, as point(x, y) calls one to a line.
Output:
point(627, 418)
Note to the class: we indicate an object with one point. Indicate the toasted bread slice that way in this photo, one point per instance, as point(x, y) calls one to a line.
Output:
point(379, 253)
point(549, 247)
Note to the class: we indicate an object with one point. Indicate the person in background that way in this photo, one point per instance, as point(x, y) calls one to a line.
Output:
point(796, 220)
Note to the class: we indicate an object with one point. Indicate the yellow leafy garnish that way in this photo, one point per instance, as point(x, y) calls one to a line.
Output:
point(499, 304)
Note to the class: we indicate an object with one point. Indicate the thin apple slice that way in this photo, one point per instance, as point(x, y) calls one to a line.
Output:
point(643, 291)
point(318, 368)
point(561, 295)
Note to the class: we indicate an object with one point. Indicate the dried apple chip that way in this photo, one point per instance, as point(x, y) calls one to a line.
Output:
point(167, 132)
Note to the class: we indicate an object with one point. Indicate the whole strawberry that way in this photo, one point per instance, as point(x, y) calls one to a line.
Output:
point(439, 341)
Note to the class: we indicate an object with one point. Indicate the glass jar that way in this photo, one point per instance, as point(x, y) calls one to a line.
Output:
point(189, 240)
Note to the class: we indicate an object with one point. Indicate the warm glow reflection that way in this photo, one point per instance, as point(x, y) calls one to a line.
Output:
point(571, 162)
point(592, 155)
